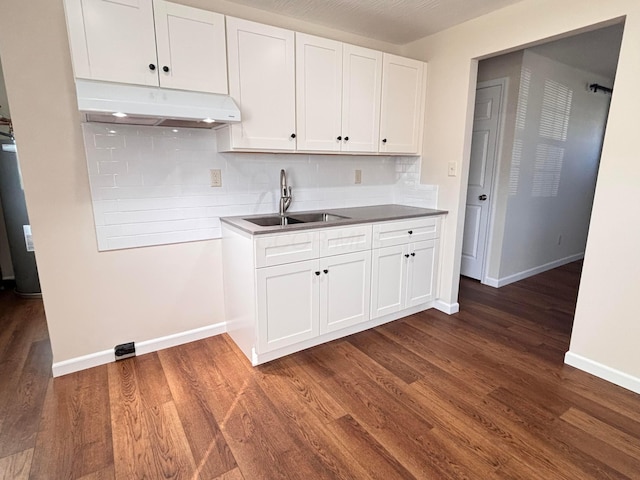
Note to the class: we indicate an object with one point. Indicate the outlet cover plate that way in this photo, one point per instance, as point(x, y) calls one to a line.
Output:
point(216, 177)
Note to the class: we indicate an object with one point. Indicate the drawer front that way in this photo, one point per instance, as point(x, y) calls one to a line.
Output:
point(336, 241)
point(281, 249)
point(405, 231)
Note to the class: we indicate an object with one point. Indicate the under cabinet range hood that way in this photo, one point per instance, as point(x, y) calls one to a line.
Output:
point(142, 105)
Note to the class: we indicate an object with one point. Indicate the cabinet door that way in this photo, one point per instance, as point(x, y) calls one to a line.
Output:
point(288, 304)
point(113, 40)
point(362, 81)
point(262, 82)
point(402, 109)
point(388, 280)
point(318, 93)
point(192, 52)
point(345, 287)
point(421, 272)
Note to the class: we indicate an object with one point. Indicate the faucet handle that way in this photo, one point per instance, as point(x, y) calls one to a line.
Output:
point(289, 191)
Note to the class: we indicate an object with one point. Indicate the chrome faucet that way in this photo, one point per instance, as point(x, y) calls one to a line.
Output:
point(285, 193)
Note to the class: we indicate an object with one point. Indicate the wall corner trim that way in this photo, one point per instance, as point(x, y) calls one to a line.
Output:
point(147, 346)
point(599, 370)
point(448, 308)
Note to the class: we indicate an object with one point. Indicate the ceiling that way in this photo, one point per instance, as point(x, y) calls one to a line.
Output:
point(393, 21)
point(403, 21)
point(595, 51)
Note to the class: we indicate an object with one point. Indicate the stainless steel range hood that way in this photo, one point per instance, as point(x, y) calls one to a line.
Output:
point(142, 105)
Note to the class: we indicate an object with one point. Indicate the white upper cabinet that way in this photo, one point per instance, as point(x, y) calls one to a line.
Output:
point(262, 83)
point(115, 40)
point(338, 95)
point(192, 52)
point(362, 82)
point(318, 93)
point(402, 111)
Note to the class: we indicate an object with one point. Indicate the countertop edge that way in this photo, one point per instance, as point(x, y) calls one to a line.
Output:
point(357, 215)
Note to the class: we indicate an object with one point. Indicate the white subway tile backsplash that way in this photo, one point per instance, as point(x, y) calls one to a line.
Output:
point(103, 181)
point(151, 185)
point(109, 141)
point(111, 167)
point(129, 180)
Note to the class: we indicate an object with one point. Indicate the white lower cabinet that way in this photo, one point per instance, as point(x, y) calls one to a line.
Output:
point(405, 264)
point(345, 286)
point(288, 304)
point(421, 273)
point(286, 292)
point(298, 301)
point(403, 277)
point(389, 280)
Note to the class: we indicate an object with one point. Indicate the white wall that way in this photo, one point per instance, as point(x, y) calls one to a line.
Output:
point(605, 329)
point(551, 173)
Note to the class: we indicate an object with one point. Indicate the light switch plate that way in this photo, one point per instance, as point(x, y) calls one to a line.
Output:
point(358, 178)
point(453, 169)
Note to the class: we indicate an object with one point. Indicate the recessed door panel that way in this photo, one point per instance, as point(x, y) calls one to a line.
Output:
point(288, 300)
point(345, 287)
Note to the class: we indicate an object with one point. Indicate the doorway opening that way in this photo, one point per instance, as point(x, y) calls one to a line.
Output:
point(18, 270)
point(539, 124)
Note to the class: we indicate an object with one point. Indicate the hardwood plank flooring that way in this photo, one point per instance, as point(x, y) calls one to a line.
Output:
point(477, 395)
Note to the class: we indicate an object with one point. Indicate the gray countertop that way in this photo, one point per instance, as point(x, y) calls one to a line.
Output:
point(355, 215)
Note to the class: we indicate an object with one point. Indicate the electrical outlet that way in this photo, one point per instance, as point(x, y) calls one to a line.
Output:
point(453, 169)
point(216, 177)
point(358, 178)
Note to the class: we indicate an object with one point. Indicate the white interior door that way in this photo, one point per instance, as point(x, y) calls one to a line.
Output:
point(486, 126)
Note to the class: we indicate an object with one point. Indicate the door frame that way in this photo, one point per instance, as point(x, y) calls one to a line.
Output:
point(503, 82)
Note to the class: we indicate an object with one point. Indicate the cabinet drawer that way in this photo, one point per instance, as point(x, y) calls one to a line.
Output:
point(337, 241)
point(405, 231)
point(281, 249)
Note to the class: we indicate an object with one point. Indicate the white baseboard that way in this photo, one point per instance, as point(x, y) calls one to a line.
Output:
point(609, 374)
point(492, 282)
point(81, 363)
point(501, 282)
point(147, 346)
point(161, 343)
point(448, 308)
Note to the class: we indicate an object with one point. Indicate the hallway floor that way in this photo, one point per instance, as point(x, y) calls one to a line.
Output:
point(481, 394)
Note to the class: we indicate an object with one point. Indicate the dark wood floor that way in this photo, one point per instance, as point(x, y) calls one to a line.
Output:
point(482, 394)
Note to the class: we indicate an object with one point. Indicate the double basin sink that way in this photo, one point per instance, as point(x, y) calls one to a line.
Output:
point(293, 218)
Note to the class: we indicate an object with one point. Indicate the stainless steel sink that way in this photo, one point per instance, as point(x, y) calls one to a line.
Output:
point(317, 217)
point(275, 220)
